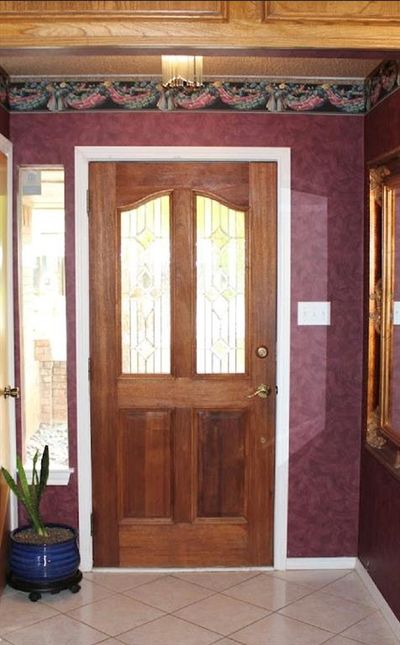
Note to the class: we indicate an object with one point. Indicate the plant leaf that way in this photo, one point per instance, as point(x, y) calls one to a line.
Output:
point(44, 471)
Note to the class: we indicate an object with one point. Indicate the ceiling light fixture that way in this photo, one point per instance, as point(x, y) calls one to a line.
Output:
point(182, 71)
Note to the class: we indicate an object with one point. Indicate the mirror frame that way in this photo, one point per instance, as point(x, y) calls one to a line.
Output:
point(380, 435)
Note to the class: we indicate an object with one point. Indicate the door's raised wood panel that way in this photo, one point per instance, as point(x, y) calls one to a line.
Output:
point(221, 466)
point(185, 545)
point(145, 464)
point(152, 9)
point(217, 27)
point(310, 10)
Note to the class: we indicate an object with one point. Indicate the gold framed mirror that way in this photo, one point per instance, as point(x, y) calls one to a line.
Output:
point(390, 323)
point(383, 392)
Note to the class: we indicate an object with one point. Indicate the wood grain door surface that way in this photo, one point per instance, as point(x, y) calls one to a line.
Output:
point(183, 460)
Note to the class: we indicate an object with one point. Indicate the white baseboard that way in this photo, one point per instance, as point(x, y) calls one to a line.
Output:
point(177, 569)
point(383, 606)
point(321, 563)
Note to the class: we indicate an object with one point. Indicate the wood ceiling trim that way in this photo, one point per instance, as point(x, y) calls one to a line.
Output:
point(357, 12)
point(234, 26)
point(204, 10)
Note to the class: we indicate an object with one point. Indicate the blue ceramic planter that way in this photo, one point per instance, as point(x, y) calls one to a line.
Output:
point(43, 564)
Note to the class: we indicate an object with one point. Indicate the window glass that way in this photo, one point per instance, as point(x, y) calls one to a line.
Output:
point(220, 288)
point(43, 313)
point(145, 288)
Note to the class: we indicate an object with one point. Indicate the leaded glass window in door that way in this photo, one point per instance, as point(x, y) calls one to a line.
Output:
point(145, 288)
point(221, 277)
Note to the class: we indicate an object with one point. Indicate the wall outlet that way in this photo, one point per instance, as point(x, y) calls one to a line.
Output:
point(314, 313)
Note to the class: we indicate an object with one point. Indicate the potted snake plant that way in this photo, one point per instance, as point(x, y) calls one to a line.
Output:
point(42, 556)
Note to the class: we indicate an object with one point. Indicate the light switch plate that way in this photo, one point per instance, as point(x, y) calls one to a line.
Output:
point(396, 312)
point(314, 313)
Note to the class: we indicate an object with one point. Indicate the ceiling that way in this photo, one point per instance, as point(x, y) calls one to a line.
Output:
point(21, 66)
point(239, 40)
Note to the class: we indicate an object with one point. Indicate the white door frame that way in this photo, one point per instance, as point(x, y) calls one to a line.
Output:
point(84, 155)
point(6, 149)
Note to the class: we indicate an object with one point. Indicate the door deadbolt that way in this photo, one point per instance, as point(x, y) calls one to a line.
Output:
point(262, 351)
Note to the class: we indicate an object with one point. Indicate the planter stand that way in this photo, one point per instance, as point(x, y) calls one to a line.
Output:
point(36, 589)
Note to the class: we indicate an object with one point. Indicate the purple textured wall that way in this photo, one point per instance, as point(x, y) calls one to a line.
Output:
point(327, 262)
point(379, 546)
point(379, 540)
point(4, 122)
point(382, 128)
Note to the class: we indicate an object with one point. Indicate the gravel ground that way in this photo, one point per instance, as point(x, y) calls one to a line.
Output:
point(56, 436)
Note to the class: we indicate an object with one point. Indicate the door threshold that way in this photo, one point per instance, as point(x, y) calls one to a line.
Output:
point(178, 569)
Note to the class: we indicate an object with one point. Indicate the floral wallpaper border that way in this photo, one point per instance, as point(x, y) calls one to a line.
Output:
point(256, 96)
point(384, 80)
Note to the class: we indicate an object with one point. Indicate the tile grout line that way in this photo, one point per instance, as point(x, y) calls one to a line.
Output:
point(58, 615)
point(212, 592)
point(215, 593)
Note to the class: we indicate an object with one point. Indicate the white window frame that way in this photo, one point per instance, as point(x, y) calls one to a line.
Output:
point(7, 150)
point(57, 476)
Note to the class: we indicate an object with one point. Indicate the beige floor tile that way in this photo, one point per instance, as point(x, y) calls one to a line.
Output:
point(7, 591)
point(168, 593)
point(17, 611)
point(337, 640)
point(226, 641)
point(328, 612)
point(116, 614)
point(372, 630)
point(217, 580)
point(314, 579)
point(111, 641)
point(65, 600)
point(268, 592)
point(59, 630)
point(121, 581)
point(279, 630)
point(169, 631)
point(352, 588)
point(222, 614)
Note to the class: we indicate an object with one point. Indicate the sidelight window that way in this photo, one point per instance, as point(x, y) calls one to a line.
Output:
point(44, 393)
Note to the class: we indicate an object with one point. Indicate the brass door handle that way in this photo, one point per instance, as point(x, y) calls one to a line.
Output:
point(263, 391)
point(11, 391)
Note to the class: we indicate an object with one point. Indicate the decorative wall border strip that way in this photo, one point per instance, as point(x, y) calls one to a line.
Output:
point(257, 96)
point(3, 91)
point(252, 96)
point(384, 80)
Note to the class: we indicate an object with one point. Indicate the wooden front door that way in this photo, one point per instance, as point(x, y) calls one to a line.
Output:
point(182, 307)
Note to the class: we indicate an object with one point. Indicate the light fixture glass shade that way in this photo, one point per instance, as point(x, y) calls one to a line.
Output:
point(181, 71)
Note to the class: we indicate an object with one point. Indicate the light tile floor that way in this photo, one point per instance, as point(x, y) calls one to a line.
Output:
point(228, 608)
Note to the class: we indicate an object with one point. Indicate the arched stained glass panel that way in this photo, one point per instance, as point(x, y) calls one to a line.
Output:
point(220, 288)
point(145, 288)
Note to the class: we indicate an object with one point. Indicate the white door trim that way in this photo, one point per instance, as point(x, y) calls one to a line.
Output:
point(6, 149)
point(84, 155)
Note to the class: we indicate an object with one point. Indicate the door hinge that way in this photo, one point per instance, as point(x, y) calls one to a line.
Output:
point(89, 369)
point(91, 524)
point(88, 204)
point(276, 389)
